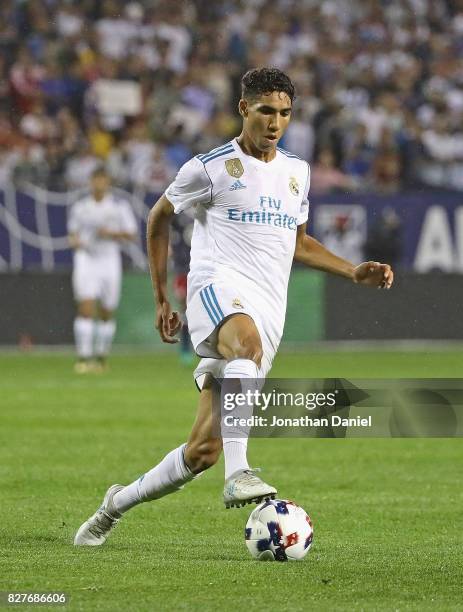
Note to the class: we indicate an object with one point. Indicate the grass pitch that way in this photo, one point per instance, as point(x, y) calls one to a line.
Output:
point(387, 513)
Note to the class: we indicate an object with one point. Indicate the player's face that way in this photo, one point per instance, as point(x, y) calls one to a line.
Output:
point(100, 183)
point(266, 119)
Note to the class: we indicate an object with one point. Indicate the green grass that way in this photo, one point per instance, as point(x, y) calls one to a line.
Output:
point(387, 513)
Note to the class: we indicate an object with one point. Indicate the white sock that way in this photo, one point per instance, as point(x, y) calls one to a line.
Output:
point(105, 331)
point(166, 477)
point(83, 336)
point(235, 448)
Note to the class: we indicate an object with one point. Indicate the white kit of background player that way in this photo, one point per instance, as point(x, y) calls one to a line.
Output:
point(96, 226)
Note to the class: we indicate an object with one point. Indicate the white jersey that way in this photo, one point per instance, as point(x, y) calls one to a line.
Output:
point(246, 216)
point(88, 216)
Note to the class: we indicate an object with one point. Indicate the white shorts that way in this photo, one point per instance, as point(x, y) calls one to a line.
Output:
point(207, 309)
point(97, 279)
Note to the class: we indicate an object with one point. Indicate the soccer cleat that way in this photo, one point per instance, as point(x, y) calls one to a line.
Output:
point(100, 365)
point(83, 366)
point(245, 487)
point(97, 528)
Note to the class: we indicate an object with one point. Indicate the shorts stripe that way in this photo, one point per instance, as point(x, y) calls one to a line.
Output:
point(215, 307)
point(208, 306)
point(212, 292)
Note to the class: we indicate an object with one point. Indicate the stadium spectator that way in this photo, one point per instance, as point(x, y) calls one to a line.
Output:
point(385, 238)
point(153, 173)
point(325, 177)
point(25, 79)
point(386, 165)
point(360, 68)
point(80, 167)
point(8, 162)
point(55, 166)
point(36, 124)
point(359, 156)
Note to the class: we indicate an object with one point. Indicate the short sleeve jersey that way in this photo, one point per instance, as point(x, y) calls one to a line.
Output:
point(87, 217)
point(246, 216)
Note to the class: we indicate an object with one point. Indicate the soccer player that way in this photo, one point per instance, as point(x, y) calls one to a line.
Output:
point(251, 210)
point(97, 225)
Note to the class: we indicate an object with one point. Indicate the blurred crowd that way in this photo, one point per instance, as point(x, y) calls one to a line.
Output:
point(144, 85)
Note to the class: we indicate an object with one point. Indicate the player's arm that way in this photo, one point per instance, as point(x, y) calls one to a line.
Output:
point(74, 227)
point(119, 236)
point(157, 238)
point(314, 255)
point(74, 240)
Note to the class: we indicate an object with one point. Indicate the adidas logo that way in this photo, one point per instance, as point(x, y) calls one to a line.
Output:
point(237, 185)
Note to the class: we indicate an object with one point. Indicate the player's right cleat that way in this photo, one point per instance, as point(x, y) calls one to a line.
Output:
point(100, 365)
point(97, 528)
point(245, 487)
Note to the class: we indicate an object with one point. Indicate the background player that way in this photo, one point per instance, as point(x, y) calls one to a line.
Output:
point(251, 210)
point(97, 225)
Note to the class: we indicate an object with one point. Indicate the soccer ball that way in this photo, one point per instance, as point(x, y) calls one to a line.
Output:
point(279, 530)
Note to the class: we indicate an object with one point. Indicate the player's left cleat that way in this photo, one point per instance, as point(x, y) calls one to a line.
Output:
point(97, 528)
point(246, 488)
point(83, 366)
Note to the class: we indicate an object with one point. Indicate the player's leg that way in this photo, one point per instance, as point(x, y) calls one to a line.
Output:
point(204, 444)
point(105, 328)
point(240, 344)
point(83, 334)
point(110, 276)
point(85, 289)
point(181, 465)
point(177, 468)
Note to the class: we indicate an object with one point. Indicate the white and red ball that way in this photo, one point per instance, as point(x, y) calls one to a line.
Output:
point(279, 530)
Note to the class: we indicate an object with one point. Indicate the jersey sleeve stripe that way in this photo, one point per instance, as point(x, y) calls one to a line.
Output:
point(216, 150)
point(214, 297)
point(212, 314)
point(288, 153)
point(219, 154)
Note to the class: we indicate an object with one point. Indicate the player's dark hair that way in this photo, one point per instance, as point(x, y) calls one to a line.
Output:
point(100, 171)
point(261, 81)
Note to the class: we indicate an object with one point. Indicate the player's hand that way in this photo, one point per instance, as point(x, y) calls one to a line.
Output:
point(375, 274)
point(167, 323)
point(105, 234)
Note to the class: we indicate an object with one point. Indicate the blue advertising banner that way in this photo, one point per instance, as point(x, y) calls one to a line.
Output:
point(421, 231)
point(427, 227)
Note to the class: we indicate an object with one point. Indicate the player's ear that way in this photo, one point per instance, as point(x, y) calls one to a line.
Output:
point(243, 107)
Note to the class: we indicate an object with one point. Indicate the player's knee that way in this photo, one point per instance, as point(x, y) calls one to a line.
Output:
point(202, 455)
point(86, 311)
point(105, 315)
point(249, 347)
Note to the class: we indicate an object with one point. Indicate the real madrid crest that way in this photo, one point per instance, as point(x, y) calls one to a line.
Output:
point(293, 186)
point(237, 303)
point(234, 167)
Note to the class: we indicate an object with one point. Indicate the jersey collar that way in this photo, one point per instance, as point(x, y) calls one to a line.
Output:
point(251, 158)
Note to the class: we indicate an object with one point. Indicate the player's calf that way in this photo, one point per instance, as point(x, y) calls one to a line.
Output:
point(200, 455)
